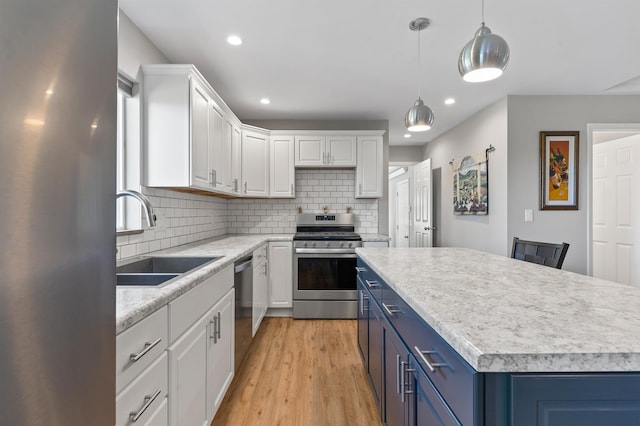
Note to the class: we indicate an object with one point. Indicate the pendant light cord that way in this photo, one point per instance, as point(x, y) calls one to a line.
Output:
point(483, 13)
point(419, 60)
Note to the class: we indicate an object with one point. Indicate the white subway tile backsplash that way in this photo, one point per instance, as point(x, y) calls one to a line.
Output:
point(185, 218)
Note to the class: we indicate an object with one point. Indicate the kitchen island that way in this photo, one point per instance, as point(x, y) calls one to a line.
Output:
point(535, 345)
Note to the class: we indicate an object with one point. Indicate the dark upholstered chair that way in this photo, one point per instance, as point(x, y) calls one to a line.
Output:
point(542, 253)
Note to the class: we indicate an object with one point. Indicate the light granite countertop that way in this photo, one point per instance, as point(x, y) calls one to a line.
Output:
point(135, 303)
point(374, 237)
point(506, 315)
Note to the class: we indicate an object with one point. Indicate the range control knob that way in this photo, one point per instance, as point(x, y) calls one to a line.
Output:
point(328, 244)
point(350, 245)
point(306, 244)
point(341, 245)
point(313, 244)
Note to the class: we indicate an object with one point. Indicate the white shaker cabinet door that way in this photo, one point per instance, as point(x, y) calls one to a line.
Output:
point(220, 352)
point(309, 151)
point(340, 151)
point(255, 164)
point(280, 275)
point(369, 171)
point(187, 377)
point(282, 170)
point(200, 142)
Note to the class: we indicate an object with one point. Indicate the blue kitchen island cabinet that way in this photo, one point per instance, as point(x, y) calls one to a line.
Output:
point(492, 348)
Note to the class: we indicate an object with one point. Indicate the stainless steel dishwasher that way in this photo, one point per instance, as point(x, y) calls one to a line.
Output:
point(243, 284)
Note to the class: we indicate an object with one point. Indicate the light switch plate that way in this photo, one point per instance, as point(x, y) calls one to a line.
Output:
point(528, 215)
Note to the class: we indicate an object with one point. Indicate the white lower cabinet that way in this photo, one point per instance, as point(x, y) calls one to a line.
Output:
point(141, 401)
point(220, 352)
point(260, 286)
point(201, 365)
point(187, 376)
point(280, 274)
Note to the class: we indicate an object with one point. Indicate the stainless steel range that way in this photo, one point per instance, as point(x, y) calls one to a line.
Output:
point(324, 266)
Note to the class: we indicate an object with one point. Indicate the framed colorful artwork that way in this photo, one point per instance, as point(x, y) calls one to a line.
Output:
point(559, 170)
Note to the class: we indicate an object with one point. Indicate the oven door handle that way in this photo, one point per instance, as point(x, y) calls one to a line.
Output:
point(341, 252)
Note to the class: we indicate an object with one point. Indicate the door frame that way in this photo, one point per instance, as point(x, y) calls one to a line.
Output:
point(625, 129)
point(392, 197)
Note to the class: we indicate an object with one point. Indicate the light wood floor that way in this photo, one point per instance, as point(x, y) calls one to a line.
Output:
point(302, 373)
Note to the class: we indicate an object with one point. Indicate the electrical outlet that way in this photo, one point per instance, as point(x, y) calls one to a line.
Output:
point(528, 215)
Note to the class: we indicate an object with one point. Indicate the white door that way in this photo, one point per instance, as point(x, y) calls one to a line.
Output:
point(403, 215)
point(422, 205)
point(236, 159)
point(616, 182)
point(218, 160)
point(280, 275)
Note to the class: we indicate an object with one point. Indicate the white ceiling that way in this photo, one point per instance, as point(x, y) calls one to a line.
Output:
point(357, 59)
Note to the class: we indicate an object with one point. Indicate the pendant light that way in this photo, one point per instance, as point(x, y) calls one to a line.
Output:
point(484, 57)
point(419, 118)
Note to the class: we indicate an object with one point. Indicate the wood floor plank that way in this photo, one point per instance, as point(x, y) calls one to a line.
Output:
point(301, 372)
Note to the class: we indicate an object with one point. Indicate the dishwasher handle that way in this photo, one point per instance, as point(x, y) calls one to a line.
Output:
point(242, 265)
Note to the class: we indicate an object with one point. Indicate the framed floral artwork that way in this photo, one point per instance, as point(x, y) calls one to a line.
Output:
point(559, 170)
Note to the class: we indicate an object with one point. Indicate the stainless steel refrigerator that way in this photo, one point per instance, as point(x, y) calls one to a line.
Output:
point(58, 71)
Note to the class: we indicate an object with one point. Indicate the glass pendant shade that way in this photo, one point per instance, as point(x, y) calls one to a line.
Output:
point(484, 57)
point(419, 118)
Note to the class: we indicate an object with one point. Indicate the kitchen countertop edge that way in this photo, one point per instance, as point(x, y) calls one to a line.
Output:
point(133, 304)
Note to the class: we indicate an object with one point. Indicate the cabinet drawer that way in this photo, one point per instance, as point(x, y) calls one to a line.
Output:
point(451, 375)
point(370, 280)
point(144, 396)
point(138, 346)
point(430, 408)
point(186, 309)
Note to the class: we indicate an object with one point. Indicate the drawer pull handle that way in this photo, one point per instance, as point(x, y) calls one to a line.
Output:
point(372, 284)
point(148, 400)
point(430, 365)
point(391, 309)
point(360, 269)
point(147, 347)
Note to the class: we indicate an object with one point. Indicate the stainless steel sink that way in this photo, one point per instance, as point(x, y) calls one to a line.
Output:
point(155, 271)
point(164, 264)
point(145, 280)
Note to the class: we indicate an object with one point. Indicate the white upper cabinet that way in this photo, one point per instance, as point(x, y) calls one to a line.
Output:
point(187, 144)
point(309, 151)
point(340, 151)
point(325, 151)
point(235, 178)
point(200, 140)
point(369, 172)
point(219, 153)
point(282, 182)
point(255, 163)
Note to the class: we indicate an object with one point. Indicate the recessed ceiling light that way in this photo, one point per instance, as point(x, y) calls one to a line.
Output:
point(265, 101)
point(234, 40)
point(407, 135)
point(449, 101)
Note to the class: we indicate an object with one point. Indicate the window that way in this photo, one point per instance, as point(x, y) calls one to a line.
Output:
point(128, 214)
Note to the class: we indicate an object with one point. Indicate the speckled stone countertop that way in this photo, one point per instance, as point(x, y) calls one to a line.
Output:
point(135, 303)
point(506, 315)
point(374, 237)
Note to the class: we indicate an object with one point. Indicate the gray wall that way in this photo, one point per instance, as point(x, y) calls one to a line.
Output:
point(514, 171)
point(405, 154)
point(487, 233)
point(383, 203)
point(528, 115)
point(135, 48)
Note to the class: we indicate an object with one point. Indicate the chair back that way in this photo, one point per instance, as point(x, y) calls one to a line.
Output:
point(547, 254)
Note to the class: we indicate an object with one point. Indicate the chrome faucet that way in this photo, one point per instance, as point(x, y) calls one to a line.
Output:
point(148, 208)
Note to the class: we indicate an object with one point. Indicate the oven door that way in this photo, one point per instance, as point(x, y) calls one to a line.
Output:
point(324, 274)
